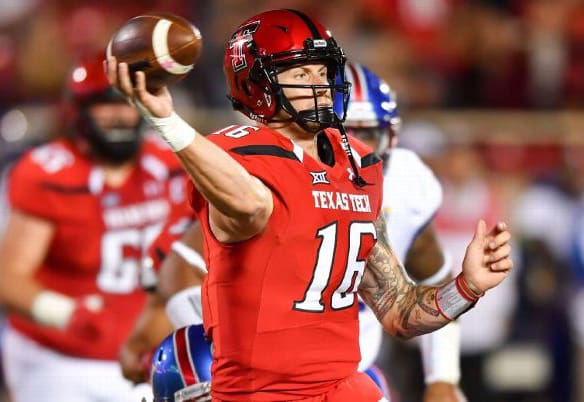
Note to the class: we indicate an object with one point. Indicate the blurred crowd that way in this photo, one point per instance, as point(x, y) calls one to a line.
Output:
point(479, 53)
point(438, 53)
point(491, 56)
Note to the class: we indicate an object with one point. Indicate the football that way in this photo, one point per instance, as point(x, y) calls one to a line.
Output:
point(164, 46)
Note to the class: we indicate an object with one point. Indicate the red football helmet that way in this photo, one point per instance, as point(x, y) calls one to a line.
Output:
point(87, 86)
point(88, 83)
point(265, 44)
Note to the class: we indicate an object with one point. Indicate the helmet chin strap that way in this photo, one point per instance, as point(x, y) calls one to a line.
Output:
point(358, 180)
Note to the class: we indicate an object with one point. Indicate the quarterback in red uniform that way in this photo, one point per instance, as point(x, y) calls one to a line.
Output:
point(83, 211)
point(289, 211)
point(299, 274)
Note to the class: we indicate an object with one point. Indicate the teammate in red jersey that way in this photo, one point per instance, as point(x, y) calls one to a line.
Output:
point(83, 211)
point(290, 212)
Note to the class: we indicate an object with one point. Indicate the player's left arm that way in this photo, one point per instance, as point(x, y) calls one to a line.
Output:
point(150, 328)
point(393, 296)
point(406, 309)
point(24, 246)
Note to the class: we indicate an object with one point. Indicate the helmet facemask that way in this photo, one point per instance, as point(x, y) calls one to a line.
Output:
point(259, 94)
point(264, 73)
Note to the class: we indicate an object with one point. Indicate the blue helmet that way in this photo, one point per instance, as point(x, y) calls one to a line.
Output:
point(372, 108)
point(181, 366)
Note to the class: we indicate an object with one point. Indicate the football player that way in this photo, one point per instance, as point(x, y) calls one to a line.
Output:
point(411, 197)
point(84, 208)
point(415, 196)
point(290, 212)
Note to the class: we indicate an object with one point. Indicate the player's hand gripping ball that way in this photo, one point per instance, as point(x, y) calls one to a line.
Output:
point(164, 46)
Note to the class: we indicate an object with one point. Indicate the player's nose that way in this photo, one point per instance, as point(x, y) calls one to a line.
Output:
point(318, 79)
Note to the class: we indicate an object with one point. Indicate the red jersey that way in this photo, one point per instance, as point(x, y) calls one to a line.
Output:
point(281, 307)
point(174, 228)
point(101, 234)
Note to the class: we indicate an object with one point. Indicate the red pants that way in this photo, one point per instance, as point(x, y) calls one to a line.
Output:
point(357, 388)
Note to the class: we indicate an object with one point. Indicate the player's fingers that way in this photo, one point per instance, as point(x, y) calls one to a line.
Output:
point(503, 265)
point(500, 253)
point(124, 81)
point(140, 88)
point(499, 227)
point(109, 67)
point(494, 242)
point(480, 231)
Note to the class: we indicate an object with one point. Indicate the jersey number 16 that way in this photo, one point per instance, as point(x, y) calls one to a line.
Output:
point(344, 294)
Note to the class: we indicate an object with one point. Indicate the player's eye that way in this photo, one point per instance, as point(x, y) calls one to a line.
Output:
point(301, 75)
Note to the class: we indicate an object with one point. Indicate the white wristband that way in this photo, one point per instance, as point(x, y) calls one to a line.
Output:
point(173, 129)
point(189, 255)
point(455, 298)
point(52, 308)
point(184, 308)
point(441, 354)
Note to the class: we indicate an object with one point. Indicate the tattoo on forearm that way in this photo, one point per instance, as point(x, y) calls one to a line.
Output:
point(386, 286)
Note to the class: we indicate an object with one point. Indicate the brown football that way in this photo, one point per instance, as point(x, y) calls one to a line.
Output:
point(164, 46)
